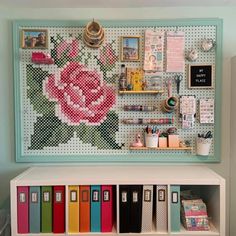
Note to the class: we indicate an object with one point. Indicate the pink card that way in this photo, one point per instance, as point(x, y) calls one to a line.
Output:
point(175, 61)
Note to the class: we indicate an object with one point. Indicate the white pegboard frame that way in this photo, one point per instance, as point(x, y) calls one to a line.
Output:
point(130, 130)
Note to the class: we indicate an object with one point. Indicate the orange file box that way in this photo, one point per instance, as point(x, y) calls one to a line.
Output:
point(84, 206)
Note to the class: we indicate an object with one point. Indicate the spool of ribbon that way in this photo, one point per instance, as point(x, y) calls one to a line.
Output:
point(93, 34)
point(171, 103)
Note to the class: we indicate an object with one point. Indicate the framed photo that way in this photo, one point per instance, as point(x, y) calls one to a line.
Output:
point(34, 38)
point(130, 48)
point(200, 76)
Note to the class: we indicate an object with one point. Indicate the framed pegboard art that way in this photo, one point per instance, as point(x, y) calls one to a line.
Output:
point(68, 103)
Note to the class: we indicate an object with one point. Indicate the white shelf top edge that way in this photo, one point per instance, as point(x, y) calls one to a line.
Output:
point(74, 175)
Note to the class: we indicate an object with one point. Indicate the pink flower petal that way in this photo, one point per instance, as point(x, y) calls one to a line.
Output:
point(50, 89)
point(74, 48)
point(80, 95)
point(61, 48)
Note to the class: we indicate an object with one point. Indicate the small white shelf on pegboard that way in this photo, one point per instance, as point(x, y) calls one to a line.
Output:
point(161, 148)
point(142, 92)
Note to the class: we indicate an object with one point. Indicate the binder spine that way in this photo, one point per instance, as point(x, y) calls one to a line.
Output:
point(107, 208)
point(23, 209)
point(175, 208)
point(124, 209)
point(84, 206)
point(161, 208)
point(73, 209)
point(136, 208)
point(34, 212)
point(147, 208)
point(46, 210)
point(58, 209)
point(95, 208)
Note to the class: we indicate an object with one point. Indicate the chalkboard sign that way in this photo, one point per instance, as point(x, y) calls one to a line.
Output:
point(200, 76)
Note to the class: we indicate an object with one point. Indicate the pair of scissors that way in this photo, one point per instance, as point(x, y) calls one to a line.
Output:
point(208, 134)
point(178, 79)
point(148, 130)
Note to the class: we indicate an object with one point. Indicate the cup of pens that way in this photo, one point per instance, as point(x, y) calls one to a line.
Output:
point(151, 137)
point(204, 143)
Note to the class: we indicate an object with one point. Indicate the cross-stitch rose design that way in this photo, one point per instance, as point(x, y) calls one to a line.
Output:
point(107, 59)
point(80, 94)
point(74, 102)
point(69, 48)
point(107, 56)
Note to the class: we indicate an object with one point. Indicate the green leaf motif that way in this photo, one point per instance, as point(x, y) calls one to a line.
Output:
point(103, 136)
point(35, 77)
point(49, 131)
point(60, 62)
point(109, 128)
point(113, 79)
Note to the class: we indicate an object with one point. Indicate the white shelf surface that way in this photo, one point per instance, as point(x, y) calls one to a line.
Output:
point(89, 175)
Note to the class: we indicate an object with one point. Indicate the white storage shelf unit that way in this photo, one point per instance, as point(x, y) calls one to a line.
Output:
point(210, 185)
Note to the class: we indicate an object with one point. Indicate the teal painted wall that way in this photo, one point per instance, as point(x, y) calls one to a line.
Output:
point(8, 167)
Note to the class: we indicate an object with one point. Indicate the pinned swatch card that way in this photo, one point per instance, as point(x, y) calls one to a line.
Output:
point(187, 111)
point(206, 110)
point(153, 58)
point(175, 60)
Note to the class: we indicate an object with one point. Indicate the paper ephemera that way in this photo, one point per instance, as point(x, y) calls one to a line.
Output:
point(175, 60)
point(153, 59)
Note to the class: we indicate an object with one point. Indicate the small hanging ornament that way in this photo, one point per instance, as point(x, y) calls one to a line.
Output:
point(192, 55)
point(207, 45)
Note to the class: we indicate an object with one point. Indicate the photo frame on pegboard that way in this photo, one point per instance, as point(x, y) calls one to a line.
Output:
point(34, 39)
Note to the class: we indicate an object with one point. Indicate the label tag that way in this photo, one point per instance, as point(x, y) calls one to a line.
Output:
point(85, 196)
point(135, 196)
point(147, 195)
point(22, 197)
point(174, 197)
point(95, 196)
point(161, 195)
point(46, 196)
point(124, 196)
point(106, 195)
point(34, 197)
point(73, 196)
point(58, 197)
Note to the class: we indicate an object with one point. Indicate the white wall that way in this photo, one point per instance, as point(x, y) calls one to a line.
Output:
point(8, 167)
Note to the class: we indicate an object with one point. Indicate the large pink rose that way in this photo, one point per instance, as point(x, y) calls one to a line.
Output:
point(80, 95)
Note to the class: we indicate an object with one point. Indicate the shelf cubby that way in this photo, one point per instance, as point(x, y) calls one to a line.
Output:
point(206, 183)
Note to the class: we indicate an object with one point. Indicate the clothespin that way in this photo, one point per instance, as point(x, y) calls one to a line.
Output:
point(176, 29)
point(169, 88)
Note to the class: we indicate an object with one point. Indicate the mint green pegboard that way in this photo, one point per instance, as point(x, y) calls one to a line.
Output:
point(63, 140)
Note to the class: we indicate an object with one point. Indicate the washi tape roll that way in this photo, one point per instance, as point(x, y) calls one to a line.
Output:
point(93, 35)
point(170, 104)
